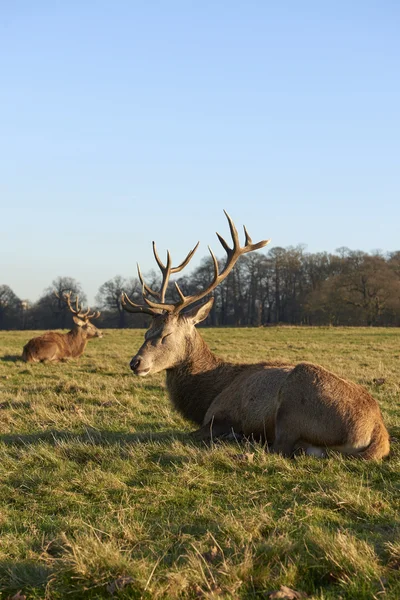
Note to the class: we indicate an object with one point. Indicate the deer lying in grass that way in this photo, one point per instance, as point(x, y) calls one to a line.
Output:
point(294, 408)
point(53, 346)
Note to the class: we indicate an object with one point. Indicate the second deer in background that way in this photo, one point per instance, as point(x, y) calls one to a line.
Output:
point(53, 346)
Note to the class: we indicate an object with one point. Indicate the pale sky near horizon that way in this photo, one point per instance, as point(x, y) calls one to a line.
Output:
point(123, 122)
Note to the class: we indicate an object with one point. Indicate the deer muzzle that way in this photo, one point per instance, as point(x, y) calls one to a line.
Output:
point(138, 367)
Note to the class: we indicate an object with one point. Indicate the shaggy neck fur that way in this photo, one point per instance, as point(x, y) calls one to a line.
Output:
point(194, 383)
point(76, 341)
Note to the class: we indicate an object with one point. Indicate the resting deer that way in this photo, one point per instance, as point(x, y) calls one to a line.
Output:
point(53, 346)
point(294, 408)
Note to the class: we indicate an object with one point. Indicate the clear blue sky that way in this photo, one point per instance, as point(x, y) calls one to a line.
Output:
point(123, 122)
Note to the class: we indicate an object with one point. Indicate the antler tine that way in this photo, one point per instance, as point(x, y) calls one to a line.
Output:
point(159, 306)
point(249, 242)
point(234, 253)
point(216, 275)
point(235, 238)
point(63, 297)
point(84, 315)
point(146, 287)
point(94, 315)
point(66, 297)
point(168, 269)
point(224, 244)
point(159, 262)
point(78, 308)
point(178, 289)
point(186, 261)
point(75, 310)
point(136, 308)
point(166, 275)
point(248, 238)
point(234, 232)
point(165, 270)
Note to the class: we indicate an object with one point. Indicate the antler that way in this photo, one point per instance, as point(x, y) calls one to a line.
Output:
point(66, 297)
point(166, 271)
point(233, 254)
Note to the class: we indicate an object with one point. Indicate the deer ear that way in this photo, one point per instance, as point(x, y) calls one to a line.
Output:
point(199, 313)
point(78, 321)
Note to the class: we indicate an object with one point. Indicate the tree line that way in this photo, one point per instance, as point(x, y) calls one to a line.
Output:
point(285, 285)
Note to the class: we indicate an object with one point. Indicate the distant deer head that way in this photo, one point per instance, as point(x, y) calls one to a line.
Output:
point(170, 336)
point(81, 318)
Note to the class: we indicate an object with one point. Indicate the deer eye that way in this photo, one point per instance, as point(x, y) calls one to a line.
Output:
point(165, 337)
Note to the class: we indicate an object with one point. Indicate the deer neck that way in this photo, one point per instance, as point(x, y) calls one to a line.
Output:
point(77, 340)
point(195, 382)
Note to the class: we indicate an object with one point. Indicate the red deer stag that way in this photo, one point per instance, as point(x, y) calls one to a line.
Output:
point(53, 346)
point(294, 408)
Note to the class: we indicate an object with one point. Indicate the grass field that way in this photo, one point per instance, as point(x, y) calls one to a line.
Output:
point(102, 493)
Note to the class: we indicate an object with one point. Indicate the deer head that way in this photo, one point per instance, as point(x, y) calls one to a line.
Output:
point(170, 337)
point(80, 318)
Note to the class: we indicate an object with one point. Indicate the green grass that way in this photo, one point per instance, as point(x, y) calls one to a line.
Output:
point(99, 481)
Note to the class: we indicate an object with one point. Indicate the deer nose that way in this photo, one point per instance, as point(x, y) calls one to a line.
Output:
point(134, 364)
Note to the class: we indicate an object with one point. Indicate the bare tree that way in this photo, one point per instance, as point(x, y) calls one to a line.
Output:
point(50, 311)
point(9, 306)
point(109, 297)
point(110, 293)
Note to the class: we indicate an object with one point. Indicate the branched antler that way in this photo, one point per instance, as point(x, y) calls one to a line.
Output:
point(166, 270)
point(233, 254)
point(85, 316)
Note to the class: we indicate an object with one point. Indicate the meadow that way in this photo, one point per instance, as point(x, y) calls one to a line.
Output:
point(103, 493)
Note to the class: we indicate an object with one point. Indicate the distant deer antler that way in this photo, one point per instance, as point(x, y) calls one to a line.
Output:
point(66, 297)
point(233, 254)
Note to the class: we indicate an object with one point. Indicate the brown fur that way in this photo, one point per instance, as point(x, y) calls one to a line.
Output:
point(53, 346)
point(318, 408)
point(303, 407)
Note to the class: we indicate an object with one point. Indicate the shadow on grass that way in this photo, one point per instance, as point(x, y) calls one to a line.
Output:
point(394, 433)
point(11, 358)
point(153, 388)
point(106, 437)
point(15, 575)
point(94, 437)
point(16, 404)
